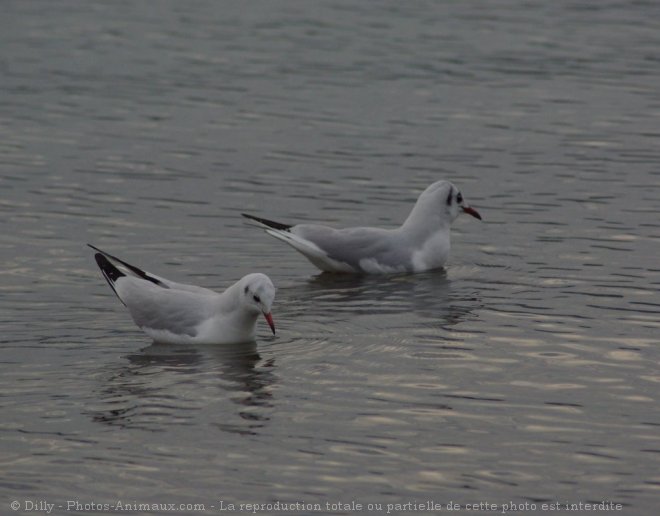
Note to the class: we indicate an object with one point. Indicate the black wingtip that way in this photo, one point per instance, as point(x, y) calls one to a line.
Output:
point(109, 271)
point(138, 272)
point(270, 223)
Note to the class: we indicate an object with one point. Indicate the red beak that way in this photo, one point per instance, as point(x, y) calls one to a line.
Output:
point(472, 211)
point(269, 319)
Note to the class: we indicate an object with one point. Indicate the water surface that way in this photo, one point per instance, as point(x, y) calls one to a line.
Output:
point(525, 372)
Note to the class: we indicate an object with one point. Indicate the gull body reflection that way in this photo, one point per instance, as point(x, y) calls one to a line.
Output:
point(166, 384)
point(431, 297)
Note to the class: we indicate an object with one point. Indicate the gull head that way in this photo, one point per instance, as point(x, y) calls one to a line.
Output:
point(443, 200)
point(258, 294)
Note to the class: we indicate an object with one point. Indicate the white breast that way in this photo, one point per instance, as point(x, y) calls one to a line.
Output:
point(433, 254)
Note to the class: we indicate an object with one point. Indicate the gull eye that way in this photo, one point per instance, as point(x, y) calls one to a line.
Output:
point(459, 198)
point(256, 298)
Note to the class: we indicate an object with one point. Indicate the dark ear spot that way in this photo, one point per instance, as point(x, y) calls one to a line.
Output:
point(449, 197)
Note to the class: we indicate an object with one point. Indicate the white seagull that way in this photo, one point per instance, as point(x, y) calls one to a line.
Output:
point(177, 313)
point(421, 243)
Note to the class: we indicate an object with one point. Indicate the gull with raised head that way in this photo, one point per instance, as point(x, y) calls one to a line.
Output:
point(420, 244)
point(178, 313)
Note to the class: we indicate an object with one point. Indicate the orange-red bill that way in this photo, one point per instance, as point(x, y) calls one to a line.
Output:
point(269, 319)
point(472, 211)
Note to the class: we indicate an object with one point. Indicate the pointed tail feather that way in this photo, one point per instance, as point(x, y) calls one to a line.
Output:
point(268, 223)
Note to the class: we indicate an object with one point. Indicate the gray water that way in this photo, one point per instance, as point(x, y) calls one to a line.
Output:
point(526, 372)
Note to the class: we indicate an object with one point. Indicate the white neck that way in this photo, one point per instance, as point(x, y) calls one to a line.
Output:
point(423, 223)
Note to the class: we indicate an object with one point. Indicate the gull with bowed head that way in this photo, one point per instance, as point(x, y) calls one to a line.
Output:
point(177, 313)
point(420, 244)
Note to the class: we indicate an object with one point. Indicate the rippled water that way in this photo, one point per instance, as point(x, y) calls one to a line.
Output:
point(526, 372)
